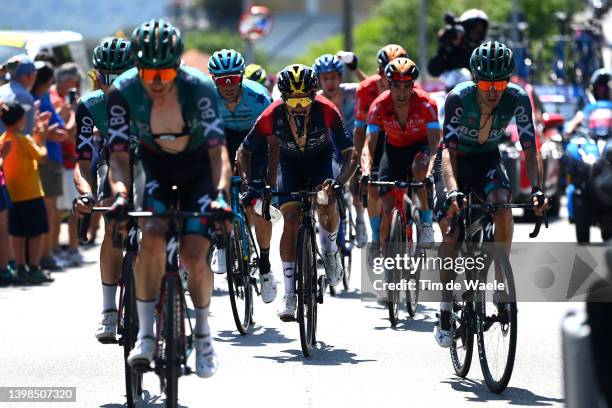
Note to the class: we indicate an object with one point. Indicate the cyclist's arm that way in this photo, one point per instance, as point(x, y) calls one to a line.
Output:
point(361, 120)
point(453, 110)
point(360, 74)
point(258, 135)
point(433, 133)
point(118, 142)
point(372, 133)
point(84, 149)
point(575, 122)
point(342, 142)
point(524, 122)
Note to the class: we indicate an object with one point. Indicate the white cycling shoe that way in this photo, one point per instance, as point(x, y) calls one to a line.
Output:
point(206, 358)
point(268, 287)
point(333, 268)
point(443, 330)
point(142, 353)
point(218, 264)
point(107, 329)
point(427, 234)
point(288, 307)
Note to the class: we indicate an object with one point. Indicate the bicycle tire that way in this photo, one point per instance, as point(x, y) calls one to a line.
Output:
point(507, 324)
point(462, 349)
point(129, 331)
point(171, 341)
point(347, 257)
point(239, 282)
point(396, 239)
point(306, 289)
point(412, 295)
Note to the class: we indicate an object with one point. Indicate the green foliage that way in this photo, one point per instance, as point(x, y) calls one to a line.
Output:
point(397, 21)
point(209, 41)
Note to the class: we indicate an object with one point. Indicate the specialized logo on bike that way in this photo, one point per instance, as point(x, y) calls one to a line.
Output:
point(171, 248)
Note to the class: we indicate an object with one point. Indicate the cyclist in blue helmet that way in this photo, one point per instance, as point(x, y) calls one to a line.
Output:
point(329, 70)
point(240, 104)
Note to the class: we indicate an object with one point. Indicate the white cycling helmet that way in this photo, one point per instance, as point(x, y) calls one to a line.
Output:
point(454, 77)
point(473, 14)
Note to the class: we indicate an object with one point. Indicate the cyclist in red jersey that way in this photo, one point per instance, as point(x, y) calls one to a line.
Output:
point(367, 92)
point(409, 119)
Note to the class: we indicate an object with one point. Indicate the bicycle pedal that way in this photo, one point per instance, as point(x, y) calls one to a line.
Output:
point(288, 319)
point(108, 341)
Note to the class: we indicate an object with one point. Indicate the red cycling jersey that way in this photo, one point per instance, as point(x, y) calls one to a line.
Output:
point(422, 115)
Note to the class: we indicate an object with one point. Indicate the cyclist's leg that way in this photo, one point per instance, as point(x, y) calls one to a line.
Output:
point(374, 204)
point(419, 157)
point(392, 168)
point(496, 187)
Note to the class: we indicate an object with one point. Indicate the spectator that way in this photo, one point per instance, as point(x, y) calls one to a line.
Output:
point(51, 170)
point(6, 275)
point(64, 96)
point(22, 71)
point(27, 215)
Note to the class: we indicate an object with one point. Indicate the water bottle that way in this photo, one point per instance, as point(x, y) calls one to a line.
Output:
point(275, 214)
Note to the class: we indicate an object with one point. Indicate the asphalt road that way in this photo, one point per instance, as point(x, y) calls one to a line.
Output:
point(47, 339)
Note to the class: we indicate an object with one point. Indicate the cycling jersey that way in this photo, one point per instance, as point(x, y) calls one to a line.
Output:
point(462, 119)
point(598, 118)
point(90, 114)
point(349, 93)
point(422, 115)
point(325, 131)
point(128, 100)
point(367, 91)
point(253, 102)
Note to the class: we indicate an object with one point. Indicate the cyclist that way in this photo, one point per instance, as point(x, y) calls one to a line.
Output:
point(477, 114)
point(409, 119)
point(181, 140)
point(257, 73)
point(367, 92)
point(599, 92)
point(302, 129)
point(110, 59)
point(240, 104)
point(329, 69)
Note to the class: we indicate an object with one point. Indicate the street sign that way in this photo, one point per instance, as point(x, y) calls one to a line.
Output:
point(255, 23)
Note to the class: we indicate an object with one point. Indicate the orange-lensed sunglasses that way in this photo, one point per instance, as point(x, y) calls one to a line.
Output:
point(165, 75)
point(489, 86)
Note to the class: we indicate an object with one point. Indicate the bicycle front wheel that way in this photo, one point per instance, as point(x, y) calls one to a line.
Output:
point(128, 331)
point(350, 236)
point(497, 322)
point(239, 282)
point(394, 247)
point(170, 324)
point(306, 276)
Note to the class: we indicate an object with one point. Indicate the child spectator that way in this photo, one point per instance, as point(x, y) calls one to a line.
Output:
point(27, 216)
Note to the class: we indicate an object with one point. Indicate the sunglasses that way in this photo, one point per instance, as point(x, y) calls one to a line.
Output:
point(490, 86)
point(149, 75)
point(107, 79)
point(226, 80)
point(298, 102)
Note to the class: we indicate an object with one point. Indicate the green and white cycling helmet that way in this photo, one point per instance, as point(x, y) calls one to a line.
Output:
point(113, 55)
point(157, 44)
point(492, 61)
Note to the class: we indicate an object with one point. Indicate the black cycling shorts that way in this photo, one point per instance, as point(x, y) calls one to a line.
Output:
point(296, 176)
point(481, 174)
point(396, 163)
point(259, 158)
point(190, 172)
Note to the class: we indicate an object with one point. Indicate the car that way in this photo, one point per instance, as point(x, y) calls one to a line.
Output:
point(65, 46)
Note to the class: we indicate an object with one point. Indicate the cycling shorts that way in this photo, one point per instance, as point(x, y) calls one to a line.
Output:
point(481, 174)
point(190, 172)
point(396, 163)
point(302, 176)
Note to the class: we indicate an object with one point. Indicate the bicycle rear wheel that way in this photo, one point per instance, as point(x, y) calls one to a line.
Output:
point(306, 276)
point(394, 247)
point(413, 279)
point(497, 323)
point(239, 282)
point(128, 331)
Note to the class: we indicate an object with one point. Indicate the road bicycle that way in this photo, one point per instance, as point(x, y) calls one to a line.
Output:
point(489, 314)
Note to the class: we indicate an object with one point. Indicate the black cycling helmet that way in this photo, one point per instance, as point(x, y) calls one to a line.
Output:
point(601, 77)
point(113, 55)
point(297, 79)
point(492, 61)
point(157, 44)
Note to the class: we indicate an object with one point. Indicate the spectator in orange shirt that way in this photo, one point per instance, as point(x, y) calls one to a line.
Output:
point(27, 215)
point(6, 276)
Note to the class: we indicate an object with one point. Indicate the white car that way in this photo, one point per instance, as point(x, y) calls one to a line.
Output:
point(65, 46)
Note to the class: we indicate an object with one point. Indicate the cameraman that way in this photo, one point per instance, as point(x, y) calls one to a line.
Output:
point(457, 40)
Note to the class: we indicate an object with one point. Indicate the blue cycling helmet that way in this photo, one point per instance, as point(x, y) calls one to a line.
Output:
point(225, 62)
point(328, 63)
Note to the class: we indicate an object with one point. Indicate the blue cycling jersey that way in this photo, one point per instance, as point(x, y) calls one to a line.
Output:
point(254, 100)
